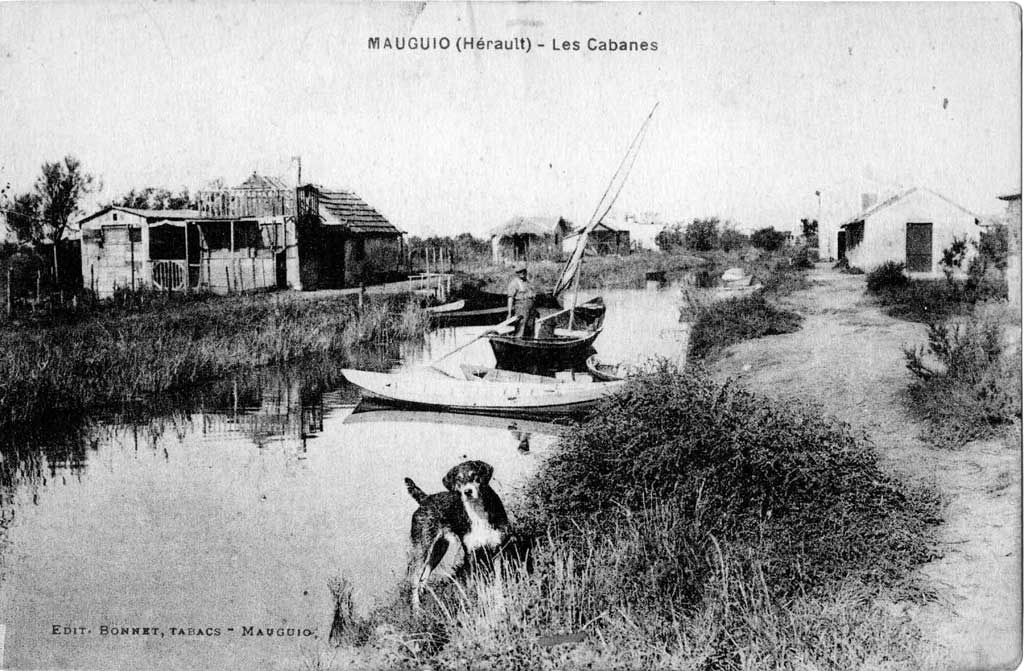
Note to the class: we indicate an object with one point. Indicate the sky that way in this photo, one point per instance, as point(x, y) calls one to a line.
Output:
point(759, 105)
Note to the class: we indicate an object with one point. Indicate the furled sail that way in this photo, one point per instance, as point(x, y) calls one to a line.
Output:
point(572, 266)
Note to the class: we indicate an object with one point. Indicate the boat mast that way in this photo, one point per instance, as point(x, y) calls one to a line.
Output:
point(575, 262)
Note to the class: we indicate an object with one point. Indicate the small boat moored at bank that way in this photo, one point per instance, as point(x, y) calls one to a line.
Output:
point(481, 309)
point(527, 396)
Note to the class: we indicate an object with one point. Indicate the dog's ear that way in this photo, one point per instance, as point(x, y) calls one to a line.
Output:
point(449, 480)
point(485, 469)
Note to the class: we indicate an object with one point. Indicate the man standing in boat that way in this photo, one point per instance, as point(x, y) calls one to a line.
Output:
point(522, 299)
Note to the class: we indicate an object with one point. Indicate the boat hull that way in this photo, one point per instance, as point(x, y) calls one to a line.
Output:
point(509, 399)
point(551, 350)
point(483, 309)
point(484, 317)
point(542, 355)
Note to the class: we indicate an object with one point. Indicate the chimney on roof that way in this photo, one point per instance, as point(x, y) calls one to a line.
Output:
point(867, 201)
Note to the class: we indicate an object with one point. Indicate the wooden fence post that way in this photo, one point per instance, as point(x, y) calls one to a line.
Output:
point(227, 281)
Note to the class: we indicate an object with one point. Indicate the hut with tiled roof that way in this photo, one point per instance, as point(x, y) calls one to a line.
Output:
point(343, 241)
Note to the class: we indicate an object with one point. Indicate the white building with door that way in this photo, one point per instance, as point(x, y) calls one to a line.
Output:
point(913, 228)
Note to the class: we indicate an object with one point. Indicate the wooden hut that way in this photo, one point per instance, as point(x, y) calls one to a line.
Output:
point(602, 241)
point(342, 241)
point(527, 238)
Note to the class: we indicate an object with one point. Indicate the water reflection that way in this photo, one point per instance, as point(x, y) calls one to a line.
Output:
point(237, 503)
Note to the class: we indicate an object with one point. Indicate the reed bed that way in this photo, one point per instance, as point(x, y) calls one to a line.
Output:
point(116, 358)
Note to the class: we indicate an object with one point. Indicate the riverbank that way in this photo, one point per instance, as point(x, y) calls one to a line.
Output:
point(118, 356)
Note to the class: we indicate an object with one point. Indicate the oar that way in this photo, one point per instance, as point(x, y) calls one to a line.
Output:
point(497, 329)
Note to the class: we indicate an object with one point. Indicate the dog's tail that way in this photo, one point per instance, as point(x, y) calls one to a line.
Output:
point(415, 491)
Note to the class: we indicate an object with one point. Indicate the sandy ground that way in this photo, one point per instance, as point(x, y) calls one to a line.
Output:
point(848, 357)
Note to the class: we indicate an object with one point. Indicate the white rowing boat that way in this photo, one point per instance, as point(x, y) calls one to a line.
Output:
point(535, 396)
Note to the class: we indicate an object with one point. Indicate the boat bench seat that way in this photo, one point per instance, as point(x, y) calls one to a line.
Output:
point(571, 333)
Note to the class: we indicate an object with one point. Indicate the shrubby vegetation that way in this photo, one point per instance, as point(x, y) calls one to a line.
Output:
point(966, 384)
point(719, 324)
point(768, 239)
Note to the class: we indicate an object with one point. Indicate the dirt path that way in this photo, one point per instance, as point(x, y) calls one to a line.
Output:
point(849, 357)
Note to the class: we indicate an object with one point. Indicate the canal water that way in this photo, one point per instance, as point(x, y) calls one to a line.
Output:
point(228, 515)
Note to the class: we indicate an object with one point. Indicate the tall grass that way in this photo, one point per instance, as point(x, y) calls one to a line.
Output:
point(116, 358)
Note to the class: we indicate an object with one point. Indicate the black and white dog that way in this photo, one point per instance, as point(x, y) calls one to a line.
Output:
point(469, 513)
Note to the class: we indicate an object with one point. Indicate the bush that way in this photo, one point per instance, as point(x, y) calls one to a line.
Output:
point(702, 235)
point(722, 323)
point(792, 494)
point(972, 392)
point(843, 266)
point(768, 239)
point(929, 301)
point(731, 239)
point(670, 237)
point(994, 245)
point(804, 258)
point(887, 276)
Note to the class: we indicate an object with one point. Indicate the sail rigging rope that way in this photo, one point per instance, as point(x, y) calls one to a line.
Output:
point(572, 266)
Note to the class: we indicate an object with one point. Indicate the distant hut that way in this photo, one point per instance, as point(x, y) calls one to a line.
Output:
point(342, 241)
point(602, 241)
point(526, 238)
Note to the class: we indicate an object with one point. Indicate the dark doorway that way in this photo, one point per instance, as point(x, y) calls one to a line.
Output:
point(841, 246)
point(919, 247)
point(281, 269)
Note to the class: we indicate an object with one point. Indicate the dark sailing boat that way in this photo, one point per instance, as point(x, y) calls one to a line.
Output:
point(564, 339)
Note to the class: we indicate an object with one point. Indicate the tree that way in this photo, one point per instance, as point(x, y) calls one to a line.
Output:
point(153, 198)
point(670, 237)
point(768, 239)
point(60, 187)
point(24, 218)
point(809, 229)
point(730, 238)
point(702, 234)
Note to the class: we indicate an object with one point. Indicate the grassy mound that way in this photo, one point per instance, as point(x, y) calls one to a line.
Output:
point(795, 494)
point(723, 323)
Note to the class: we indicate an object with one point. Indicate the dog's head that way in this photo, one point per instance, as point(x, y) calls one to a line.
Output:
point(467, 478)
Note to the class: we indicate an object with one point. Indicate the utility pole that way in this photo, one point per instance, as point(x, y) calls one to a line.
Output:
point(298, 179)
